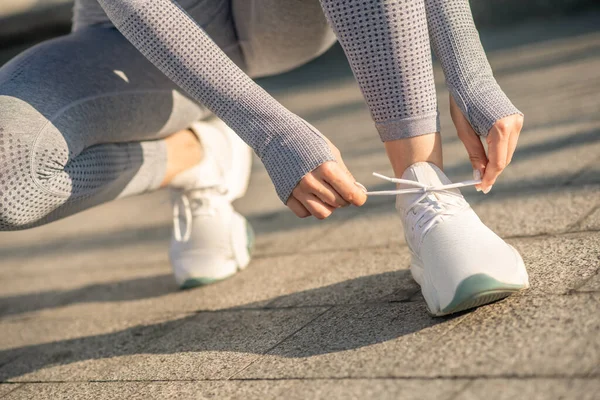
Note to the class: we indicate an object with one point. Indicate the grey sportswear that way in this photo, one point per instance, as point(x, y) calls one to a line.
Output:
point(81, 117)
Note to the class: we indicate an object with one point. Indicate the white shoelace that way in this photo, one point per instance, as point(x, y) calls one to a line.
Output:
point(419, 187)
point(194, 202)
point(425, 191)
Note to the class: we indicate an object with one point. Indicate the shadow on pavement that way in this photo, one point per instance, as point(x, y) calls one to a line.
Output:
point(227, 330)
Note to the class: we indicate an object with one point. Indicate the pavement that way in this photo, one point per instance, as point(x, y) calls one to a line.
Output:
point(328, 309)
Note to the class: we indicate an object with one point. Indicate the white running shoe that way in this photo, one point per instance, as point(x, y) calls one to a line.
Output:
point(457, 260)
point(211, 241)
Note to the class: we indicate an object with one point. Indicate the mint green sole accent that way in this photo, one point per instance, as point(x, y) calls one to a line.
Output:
point(195, 282)
point(478, 290)
point(250, 237)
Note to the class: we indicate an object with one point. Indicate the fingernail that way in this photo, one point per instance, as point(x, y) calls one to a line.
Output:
point(476, 174)
point(478, 189)
point(364, 189)
point(487, 190)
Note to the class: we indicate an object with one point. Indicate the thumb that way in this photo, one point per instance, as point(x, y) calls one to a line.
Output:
point(470, 140)
point(476, 153)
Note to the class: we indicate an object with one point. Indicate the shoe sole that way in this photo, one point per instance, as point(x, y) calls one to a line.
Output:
point(474, 291)
point(191, 283)
point(478, 290)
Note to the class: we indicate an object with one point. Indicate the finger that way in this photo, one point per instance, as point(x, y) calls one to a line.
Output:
point(297, 208)
point(514, 138)
point(476, 152)
point(315, 206)
point(343, 183)
point(512, 146)
point(497, 155)
point(328, 195)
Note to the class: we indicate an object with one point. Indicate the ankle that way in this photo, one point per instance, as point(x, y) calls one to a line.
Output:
point(403, 153)
point(184, 151)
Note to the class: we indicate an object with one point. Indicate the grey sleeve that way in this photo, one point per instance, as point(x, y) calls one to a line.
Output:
point(164, 33)
point(387, 44)
point(469, 78)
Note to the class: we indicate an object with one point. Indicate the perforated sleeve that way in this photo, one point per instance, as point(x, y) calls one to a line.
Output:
point(387, 44)
point(469, 77)
point(162, 31)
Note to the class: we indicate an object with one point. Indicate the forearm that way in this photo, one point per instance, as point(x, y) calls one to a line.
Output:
point(469, 77)
point(175, 44)
point(387, 44)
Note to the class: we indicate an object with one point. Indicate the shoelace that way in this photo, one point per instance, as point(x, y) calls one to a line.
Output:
point(194, 202)
point(425, 191)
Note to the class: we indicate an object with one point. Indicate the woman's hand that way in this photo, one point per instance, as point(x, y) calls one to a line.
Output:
point(501, 140)
point(326, 188)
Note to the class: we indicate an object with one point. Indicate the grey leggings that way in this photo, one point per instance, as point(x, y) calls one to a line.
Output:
point(82, 117)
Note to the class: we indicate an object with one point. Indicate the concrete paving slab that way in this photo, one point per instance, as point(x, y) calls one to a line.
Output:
point(22, 333)
point(345, 278)
point(312, 389)
point(287, 281)
point(592, 221)
point(6, 388)
point(559, 264)
point(537, 213)
point(592, 285)
point(76, 391)
point(532, 389)
point(212, 345)
point(90, 284)
point(108, 226)
point(553, 335)
point(521, 336)
point(80, 357)
point(369, 340)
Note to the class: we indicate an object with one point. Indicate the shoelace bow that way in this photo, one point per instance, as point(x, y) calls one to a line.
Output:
point(425, 191)
point(193, 202)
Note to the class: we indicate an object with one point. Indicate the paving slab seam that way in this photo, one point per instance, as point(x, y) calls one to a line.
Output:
point(579, 173)
point(576, 290)
point(17, 386)
point(593, 376)
point(462, 389)
point(280, 342)
point(582, 219)
point(545, 235)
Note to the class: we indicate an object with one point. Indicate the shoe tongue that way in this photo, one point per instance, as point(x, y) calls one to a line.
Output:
point(204, 175)
point(426, 173)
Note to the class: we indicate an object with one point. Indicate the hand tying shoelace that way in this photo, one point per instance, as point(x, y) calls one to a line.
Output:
point(420, 187)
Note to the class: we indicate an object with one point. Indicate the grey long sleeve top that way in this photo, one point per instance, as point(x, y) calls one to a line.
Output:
point(387, 44)
point(164, 33)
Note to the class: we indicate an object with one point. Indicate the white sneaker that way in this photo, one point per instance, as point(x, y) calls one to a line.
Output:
point(457, 260)
point(211, 241)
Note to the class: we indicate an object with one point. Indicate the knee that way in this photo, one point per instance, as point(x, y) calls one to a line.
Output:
point(23, 201)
